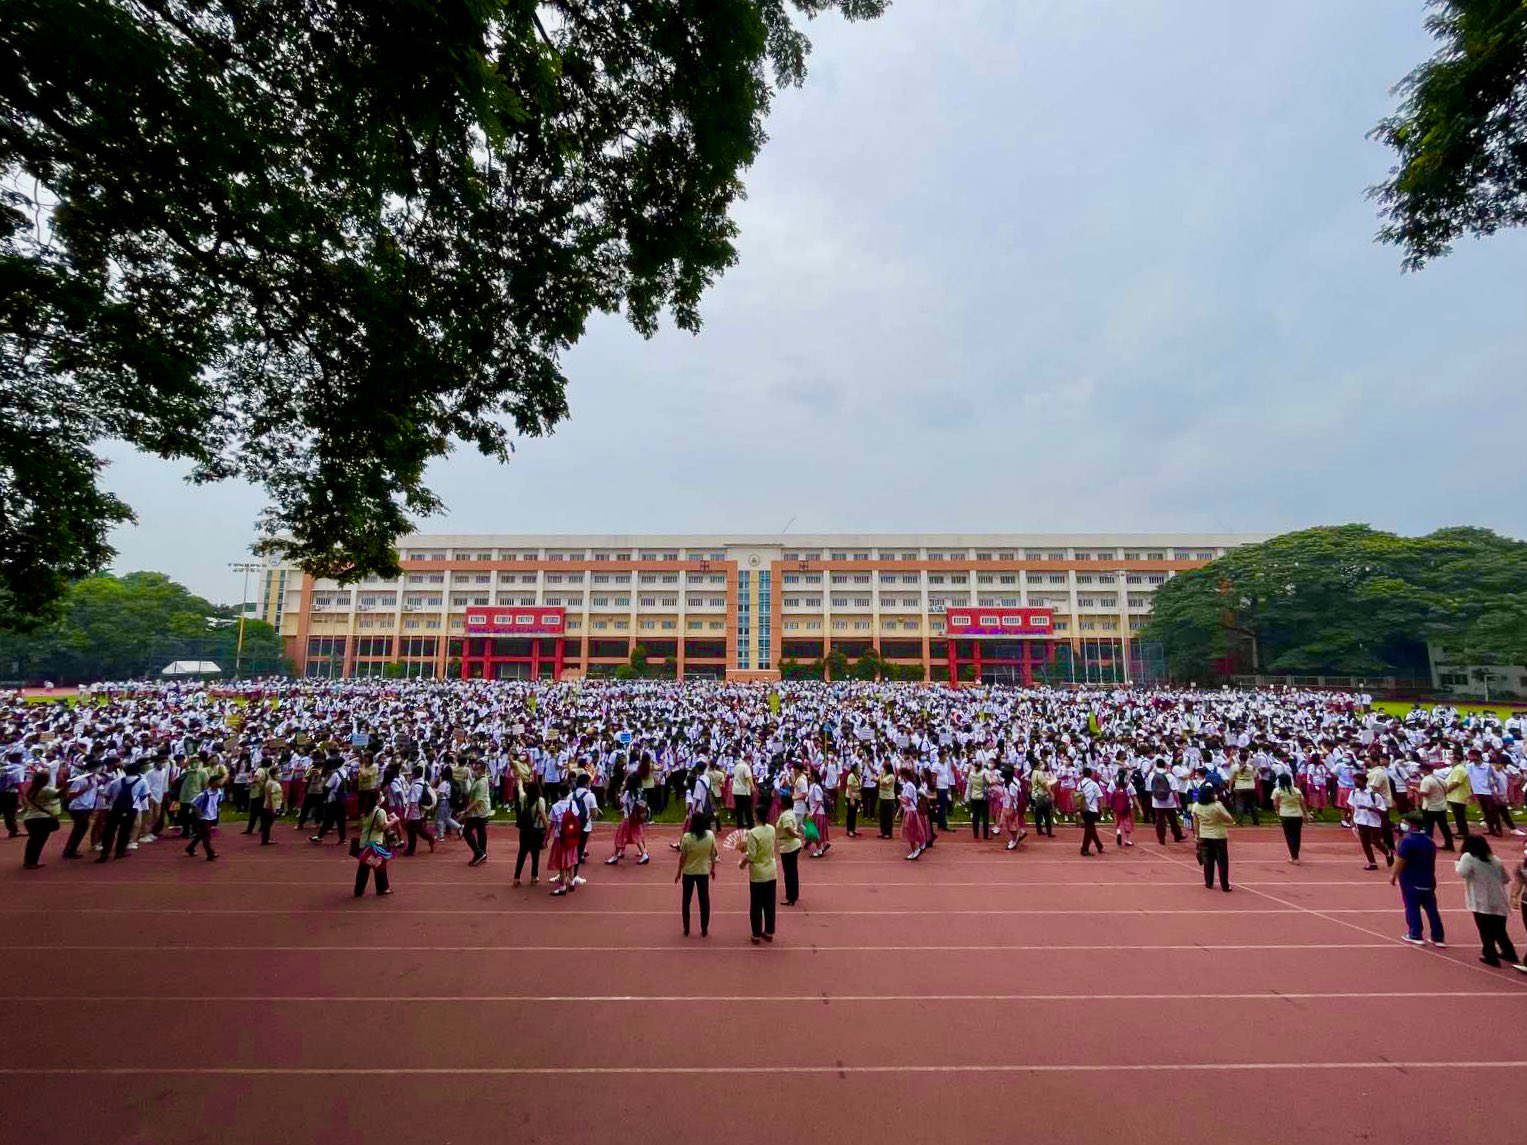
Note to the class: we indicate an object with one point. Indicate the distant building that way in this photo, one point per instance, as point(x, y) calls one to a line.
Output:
point(997, 607)
point(1476, 681)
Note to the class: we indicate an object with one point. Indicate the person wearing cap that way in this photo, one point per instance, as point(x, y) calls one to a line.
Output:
point(1432, 796)
point(1415, 872)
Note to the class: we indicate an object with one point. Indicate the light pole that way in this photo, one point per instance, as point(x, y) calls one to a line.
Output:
point(245, 567)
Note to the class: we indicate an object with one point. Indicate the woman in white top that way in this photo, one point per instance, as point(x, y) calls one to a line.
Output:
point(1484, 884)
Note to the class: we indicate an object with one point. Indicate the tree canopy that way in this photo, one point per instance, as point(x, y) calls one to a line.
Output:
point(111, 628)
point(1347, 599)
point(1460, 133)
point(315, 244)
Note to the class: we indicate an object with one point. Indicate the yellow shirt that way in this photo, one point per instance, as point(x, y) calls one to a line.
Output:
point(789, 832)
point(697, 855)
point(885, 787)
point(760, 854)
point(1290, 803)
point(1459, 789)
point(1211, 820)
point(374, 826)
point(1433, 793)
point(366, 777)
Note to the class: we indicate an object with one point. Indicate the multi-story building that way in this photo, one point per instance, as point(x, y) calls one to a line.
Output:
point(995, 607)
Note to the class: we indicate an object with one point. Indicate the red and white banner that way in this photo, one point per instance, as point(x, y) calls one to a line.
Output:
point(529, 620)
point(998, 622)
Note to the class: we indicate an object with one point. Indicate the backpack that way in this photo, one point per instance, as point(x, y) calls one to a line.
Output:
point(1161, 786)
point(427, 799)
point(123, 801)
point(639, 810)
point(707, 804)
point(570, 830)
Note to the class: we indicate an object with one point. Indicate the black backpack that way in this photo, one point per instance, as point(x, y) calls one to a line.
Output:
point(1161, 786)
point(123, 800)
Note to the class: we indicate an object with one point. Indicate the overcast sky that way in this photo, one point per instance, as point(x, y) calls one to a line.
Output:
point(1030, 265)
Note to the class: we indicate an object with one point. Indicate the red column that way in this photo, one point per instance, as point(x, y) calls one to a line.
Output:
point(975, 653)
point(535, 657)
point(556, 671)
point(1026, 663)
point(954, 662)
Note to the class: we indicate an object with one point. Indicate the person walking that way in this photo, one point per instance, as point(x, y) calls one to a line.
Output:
point(374, 852)
point(742, 792)
point(885, 798)
point(1458, 795)
point(1432, 793)
point(697, 867)
point(1123, 803)
point(123, 795)
point(39, 806)
point(763, 880)
point(204, 818)
point(420, 802)
point(1368, 808)
point(270, 805)
point(1415, 870)
point(787, 831)
point(530, 822)
point(1089, 797)
point(1211, 823)
point(474, 816)
point(1243, 781)
point(1484, 884)
point(1289, 803)
point(81, 799)
point(1164, 804)
point(632, 831)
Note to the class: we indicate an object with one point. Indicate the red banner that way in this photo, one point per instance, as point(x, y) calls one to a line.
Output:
point(528, 620)
point(998, 622)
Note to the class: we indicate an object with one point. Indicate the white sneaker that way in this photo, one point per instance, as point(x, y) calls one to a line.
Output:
point(579, 880)
point(132, 846)
point(147, 838)
point(1518, 831)
point(97, 847)
point(1439, 945)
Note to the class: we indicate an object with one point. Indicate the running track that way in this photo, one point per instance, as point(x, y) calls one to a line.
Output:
point(973, 996)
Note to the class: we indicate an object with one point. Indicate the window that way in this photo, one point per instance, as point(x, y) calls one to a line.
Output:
point(983, 556)
point(649, 602)
point(1007, 578)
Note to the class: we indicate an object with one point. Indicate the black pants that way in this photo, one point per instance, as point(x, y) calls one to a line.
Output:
point(256, 806)
point(38, 831)
point(117, 833)
point(1460, 818)
point(530, 846)
point(1164, 817)
point(474, 832)
point(867, 802)
point(852, 826)
point(1438, 819)
point(742, 809)
point(77, 833)
point(1090, 831)
point(334, 816)
point(943, 809)
point(761, 907)
point(1495, 942)
point(697, 884)
point(1044, 817)
point(366, 801)
point(1371, 837)
point(415, 828)
point(1216, 853)
point(363, 872)
point(791, 862)
point(1246, 800)
point(980, 818)
point(887, 817)
point(267, 821)
point(10, 801)
point(1293, 831)
point(201, 836)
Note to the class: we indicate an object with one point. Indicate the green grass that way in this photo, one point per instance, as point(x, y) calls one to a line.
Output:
point(1501, 710)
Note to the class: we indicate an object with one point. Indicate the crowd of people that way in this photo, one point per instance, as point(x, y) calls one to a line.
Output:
point(789, 765)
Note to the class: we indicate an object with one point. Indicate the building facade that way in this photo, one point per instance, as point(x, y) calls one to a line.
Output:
point(1005, 608)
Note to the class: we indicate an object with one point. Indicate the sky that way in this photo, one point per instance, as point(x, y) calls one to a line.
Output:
point(1050, 265)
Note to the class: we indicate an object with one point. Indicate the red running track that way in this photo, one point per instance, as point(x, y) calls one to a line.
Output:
point(976, 995)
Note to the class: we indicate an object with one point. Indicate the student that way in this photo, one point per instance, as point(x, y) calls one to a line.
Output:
point(81, 799)
point(1090, 795)
point(122, 798)
point(787, 830)
point(763, 880)
point(1432, 793)
point(742, 792)
point(474, 816)
point(816, 811)
point(203, 818)
point(632, 831)
point(588, 807)
point(1415, 870)
point(39, 805)
point(567, 835)
point(333, 811)
point(530, 821)
point(885, 798)
point(697, 867)
point(374, 852)
point(1292, 812)
point(270, 806)
point(1122, 802)
point(1042, 789)
point(1368, 808)
point(1484, 883)
point(1164, 803)
point(1211, 823)
point(420, 802)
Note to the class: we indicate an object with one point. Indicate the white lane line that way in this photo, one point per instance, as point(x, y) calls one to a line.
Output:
point(723, 1071)
point(939, 912)
point(285, 999)
point(665, 886)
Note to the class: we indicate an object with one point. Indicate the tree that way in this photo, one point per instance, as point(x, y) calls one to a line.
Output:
point(1345, 599)
point(112, 627)
point(1459, 134)
point(315, 243)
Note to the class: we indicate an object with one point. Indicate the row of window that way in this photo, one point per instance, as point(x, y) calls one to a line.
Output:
point(563, 555)
point(1001, 555)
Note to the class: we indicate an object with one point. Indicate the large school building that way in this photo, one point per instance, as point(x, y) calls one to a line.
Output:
point(999, 608)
